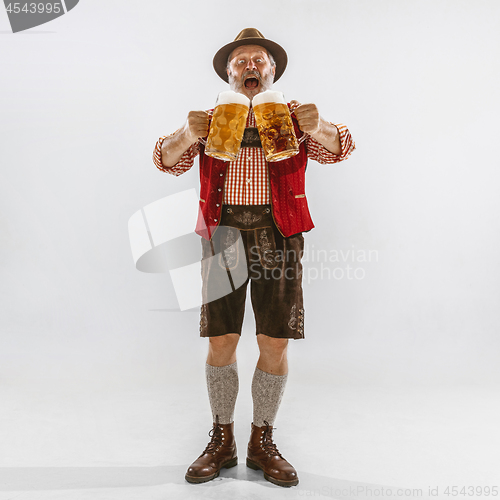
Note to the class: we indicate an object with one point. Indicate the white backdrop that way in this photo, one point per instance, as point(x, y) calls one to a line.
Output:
point(83, 100)
point(85, 97)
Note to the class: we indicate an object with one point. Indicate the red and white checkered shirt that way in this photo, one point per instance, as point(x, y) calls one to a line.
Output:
point(247, 178)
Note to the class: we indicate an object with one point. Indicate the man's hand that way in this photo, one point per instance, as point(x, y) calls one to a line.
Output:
point(196, 125)
point(307, 116)
point(173, 147)
point(310, 122)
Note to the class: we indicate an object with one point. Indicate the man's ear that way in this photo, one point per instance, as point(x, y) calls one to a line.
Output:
point(274, 70)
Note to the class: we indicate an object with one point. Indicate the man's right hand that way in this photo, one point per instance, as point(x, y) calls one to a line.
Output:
point(196, 125)
point(174, 146)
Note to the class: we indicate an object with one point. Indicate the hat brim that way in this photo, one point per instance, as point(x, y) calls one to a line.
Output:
point(278, 52)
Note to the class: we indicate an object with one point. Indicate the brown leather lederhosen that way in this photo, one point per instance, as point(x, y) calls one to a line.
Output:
point(247, 246)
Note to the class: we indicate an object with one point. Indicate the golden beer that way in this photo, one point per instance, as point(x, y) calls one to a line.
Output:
point(227, 126)
point(275, 126)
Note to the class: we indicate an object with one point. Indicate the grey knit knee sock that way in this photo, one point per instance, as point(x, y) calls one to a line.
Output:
point(267, 392)
point(222, 384)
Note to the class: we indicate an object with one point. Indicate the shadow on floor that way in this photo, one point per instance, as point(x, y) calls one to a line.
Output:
point(61, 478)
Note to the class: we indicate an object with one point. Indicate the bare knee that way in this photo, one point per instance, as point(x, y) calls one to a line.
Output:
point(272, 347)
point(222, 349)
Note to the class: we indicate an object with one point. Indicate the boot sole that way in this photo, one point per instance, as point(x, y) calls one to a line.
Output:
point(193, 479)
point(278, 482)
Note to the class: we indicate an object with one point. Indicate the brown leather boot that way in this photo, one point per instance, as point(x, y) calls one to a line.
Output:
point(220, 452)
point(263, 454)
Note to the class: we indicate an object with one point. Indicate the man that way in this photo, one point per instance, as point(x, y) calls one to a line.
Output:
point(266, 204)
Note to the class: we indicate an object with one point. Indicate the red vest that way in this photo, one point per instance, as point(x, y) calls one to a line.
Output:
point(287, 186)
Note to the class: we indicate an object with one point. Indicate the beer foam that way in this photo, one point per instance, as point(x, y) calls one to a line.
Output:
point(268, 96)
point(231, 97)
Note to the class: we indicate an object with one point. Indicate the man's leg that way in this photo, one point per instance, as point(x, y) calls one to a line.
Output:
point(221, 371)
point(222, 383)
point(268, 386)
point(269, 379)
point(273, 355)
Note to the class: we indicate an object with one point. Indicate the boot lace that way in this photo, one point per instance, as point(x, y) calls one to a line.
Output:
point(267, 441)
point(215, 434)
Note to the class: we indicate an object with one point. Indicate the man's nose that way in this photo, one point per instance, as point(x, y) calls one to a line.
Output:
point(251, 66)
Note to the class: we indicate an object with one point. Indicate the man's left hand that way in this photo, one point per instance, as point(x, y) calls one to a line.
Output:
point(319, 129)
point(307, 116)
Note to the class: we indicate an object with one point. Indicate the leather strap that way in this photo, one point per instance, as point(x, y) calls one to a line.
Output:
point(251, 138)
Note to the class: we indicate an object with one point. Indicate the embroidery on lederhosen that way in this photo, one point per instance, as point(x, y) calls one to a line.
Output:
point(251, 138)
point(203, 318)
point(228, 257)
point(292, 324)
point(266, 246)
point(300, 328)
point(247, 218)
point(296, 323)
point(208, 251)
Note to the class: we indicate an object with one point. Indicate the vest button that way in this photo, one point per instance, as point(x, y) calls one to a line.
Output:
point(215, 220)
point(219, 189)
point(221, 174)
point(217, 205)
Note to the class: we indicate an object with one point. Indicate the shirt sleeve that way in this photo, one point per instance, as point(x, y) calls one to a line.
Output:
point(183, 165)
point(318, 152)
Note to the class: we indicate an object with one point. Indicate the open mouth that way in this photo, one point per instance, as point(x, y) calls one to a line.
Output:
point(251, 83)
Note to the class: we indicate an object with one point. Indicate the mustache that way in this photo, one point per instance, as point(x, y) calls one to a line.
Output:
point(253, 73)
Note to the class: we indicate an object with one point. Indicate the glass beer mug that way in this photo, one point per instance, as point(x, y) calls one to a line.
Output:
point(228, 125)
point(275, 126)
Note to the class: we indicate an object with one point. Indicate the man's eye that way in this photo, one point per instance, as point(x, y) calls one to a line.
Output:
point(241, 61)
point(259, 60)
